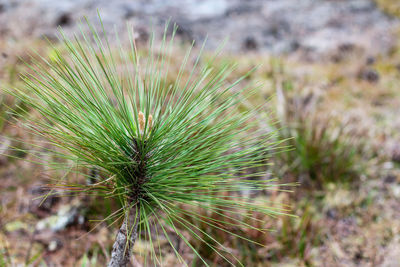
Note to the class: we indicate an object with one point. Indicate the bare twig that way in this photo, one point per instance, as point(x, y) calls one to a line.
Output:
point(125, 240)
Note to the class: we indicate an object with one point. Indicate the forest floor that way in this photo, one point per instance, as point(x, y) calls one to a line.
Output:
point(347, 216)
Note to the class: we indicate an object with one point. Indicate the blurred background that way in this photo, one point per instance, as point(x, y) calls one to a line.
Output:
point(331, 74)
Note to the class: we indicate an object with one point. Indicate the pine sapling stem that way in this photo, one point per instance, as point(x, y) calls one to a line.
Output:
point(125, 240)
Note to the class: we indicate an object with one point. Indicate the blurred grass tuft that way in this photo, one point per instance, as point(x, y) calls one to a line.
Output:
point(391, 7)
point(320, 148)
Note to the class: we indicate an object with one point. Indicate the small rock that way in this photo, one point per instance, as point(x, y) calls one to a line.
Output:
point(54, 245)
point(395, 191)
point(66, 215)
point(370, 60)
point(250, 43)
point(206, 9)
point(346, 47)
point(396, 154)
point(331, 213)
point(388, 165)
point(369, 75)
point(390, 178)
point(358, 256)
point(185, 33)
point(64, 20)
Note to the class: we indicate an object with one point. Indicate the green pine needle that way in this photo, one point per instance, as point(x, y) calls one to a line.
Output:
point(184, 151)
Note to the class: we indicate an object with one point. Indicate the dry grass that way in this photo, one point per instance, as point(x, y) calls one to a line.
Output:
point(389, 6)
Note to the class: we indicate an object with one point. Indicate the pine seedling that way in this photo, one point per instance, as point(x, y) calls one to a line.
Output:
point(166, 149)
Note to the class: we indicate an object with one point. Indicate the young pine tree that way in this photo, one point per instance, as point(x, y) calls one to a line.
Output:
point(166, 149)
